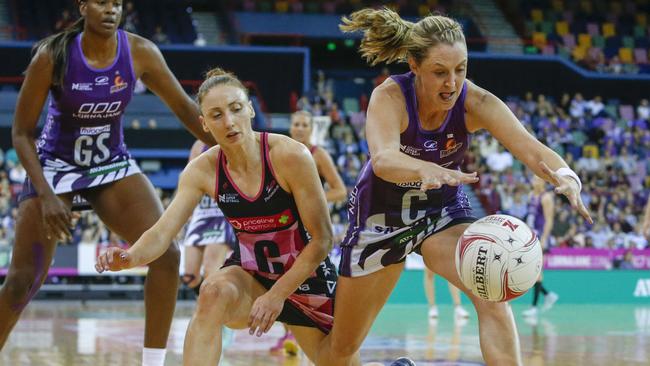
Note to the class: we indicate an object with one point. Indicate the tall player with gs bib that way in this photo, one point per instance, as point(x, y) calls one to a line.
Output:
point(89, 70)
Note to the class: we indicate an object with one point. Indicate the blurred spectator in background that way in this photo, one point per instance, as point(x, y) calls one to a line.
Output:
point(385, 74)
point(131, 19)
point(645, 228)
point(159, 37)
point(64, 21)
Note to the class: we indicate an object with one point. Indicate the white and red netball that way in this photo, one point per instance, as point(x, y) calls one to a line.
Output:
point(498, 257)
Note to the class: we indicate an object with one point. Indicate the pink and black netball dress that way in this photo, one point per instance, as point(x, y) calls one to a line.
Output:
point(271, 236)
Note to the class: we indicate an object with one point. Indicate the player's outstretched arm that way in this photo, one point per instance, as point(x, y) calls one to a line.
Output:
point(155, 241)
point(485, 110)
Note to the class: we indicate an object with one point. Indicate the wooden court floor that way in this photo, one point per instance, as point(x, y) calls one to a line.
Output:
point(110, 333)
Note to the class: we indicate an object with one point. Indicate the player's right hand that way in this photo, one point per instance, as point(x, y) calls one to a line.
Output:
point(57, 217)
point(114, 259)
point(437, 176)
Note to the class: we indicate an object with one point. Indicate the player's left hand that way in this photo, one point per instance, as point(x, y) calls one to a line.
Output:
point(114, 259)
point(265, 310)
point(569, 188)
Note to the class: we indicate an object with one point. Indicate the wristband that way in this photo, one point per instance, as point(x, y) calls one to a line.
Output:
point(567, 172)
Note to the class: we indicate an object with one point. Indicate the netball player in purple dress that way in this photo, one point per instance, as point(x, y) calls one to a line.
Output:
point(89, 70)
point(540, 218)
point(208, 236)
point(409, 196)
point(302, 125)
point(268, 188)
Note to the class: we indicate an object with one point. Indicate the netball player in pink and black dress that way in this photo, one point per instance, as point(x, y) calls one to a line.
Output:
point(268, 188)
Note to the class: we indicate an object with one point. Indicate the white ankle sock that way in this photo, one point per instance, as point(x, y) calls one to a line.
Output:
point(153, 356)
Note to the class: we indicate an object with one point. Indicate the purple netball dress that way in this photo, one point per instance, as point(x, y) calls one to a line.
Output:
point(208, 225)
point(390, 220)
point(535, 216)
point(82, 142)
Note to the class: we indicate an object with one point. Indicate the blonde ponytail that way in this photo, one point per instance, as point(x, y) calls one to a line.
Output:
point(389, 38)
point(386, 34)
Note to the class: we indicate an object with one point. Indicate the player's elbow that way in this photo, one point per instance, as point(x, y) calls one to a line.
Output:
point(324, 246)
point(18, 132)
point(380, 165)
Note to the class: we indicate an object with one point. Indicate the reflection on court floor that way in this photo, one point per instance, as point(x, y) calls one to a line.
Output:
point(110, 333)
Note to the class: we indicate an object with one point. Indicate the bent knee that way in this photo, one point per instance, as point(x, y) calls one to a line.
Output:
point(344, 347)
point(491, 307)
point(217, 293)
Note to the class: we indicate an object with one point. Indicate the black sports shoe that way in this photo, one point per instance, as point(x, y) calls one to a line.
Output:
point(403, 361)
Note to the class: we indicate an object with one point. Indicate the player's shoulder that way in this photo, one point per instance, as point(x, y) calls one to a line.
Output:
point(389, 90)
point(284, 144)
point(285, 149)
point(43, 57)
point(203, 164)
point(140, 46)
point(477, 97)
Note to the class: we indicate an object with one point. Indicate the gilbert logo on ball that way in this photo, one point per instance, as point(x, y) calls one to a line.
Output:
point(499, 258)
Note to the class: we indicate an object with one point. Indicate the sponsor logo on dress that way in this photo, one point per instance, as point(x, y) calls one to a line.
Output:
point(331, 286)
point(409, 184)
point(82, 86)
point(118, 84)
point(430, 145)
point(270, 190)
point(410, 150)
point(105, 169)
point(383, 229)
point(451, 146)
point(101, 80)
point(263, 223)
point(228, 198)
point(92, 131)
point(98, 110)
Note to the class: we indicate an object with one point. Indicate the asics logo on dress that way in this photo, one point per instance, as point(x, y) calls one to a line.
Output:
point(101, 80)
point(430, 145)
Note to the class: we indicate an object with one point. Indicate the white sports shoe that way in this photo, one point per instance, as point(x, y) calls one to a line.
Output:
point(532, 312)
point(460, 312)
point(433, 312)
point(549, 301)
